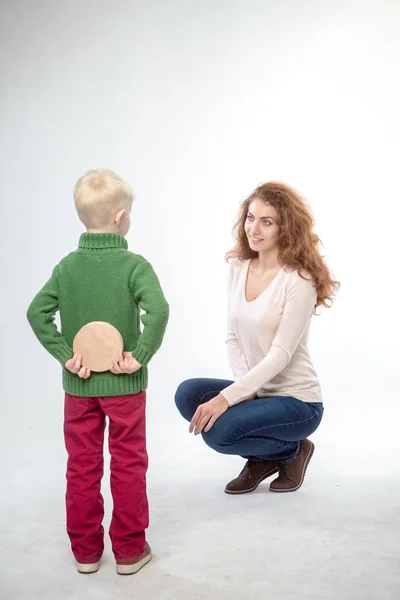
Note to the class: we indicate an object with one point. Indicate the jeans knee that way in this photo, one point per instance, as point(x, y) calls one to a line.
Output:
point(218, 439)
point(182, 396)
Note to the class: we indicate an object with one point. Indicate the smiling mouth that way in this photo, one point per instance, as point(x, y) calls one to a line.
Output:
point(255, 240)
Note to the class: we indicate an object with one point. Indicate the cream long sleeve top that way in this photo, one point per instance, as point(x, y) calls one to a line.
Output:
point(267, 337)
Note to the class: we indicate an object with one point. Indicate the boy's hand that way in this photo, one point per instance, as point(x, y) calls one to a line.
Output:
point(74, 365)
point(125, 364)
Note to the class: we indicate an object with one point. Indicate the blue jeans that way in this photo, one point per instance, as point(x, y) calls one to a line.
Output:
point(264, 428)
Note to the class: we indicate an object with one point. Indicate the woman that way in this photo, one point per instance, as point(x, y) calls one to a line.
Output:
point(277, 279)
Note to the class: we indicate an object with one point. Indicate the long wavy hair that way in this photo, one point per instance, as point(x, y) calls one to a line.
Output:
point(299, 246)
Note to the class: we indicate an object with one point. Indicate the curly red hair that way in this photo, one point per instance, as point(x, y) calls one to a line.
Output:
point(298, 244)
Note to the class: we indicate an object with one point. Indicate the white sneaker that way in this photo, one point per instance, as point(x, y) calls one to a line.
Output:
point(135, 566)
point(87, 568)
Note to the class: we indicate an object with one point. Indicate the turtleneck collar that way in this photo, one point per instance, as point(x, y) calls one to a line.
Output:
point(102, 240)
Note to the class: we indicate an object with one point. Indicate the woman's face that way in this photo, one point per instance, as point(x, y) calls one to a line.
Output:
point(261, 226)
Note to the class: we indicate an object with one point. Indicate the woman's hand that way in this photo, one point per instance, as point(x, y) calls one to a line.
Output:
point(207, 413)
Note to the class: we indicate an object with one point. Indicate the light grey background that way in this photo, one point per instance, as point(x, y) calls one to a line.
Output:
point(196, 103)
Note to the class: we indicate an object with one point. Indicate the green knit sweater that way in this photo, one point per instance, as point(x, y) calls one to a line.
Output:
point(102, 281)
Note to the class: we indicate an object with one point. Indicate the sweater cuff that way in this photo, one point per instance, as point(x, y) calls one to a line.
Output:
point(64, 354)
point(142, 356)
point(232, 395)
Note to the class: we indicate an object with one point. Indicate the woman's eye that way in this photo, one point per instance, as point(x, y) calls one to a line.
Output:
point(267, 222)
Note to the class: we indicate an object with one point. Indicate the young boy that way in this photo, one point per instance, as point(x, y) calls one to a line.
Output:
point(102, 281)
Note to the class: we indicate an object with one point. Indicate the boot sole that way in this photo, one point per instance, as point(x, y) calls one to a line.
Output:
point(132, 569)
point(247, 491)
point(306, 463)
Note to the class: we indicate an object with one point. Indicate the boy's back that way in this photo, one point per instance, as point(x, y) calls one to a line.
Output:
point(102, 281)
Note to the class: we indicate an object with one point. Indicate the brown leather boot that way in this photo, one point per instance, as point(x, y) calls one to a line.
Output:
point(251, 476)
point(291, 476)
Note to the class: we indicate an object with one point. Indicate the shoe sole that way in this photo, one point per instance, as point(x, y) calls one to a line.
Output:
point(269, 474)
point(306, 463)
point(87, 569)
point(132, 569)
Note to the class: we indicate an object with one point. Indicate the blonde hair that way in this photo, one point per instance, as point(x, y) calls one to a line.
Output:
point(98, 194)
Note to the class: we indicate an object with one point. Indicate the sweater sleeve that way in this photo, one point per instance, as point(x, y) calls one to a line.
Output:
point(299, 306)
point(41, 314)
point(236, 358)
point(150, 298)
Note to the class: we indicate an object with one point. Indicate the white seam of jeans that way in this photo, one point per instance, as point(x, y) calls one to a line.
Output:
point(205, 394)
point(285, 424)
